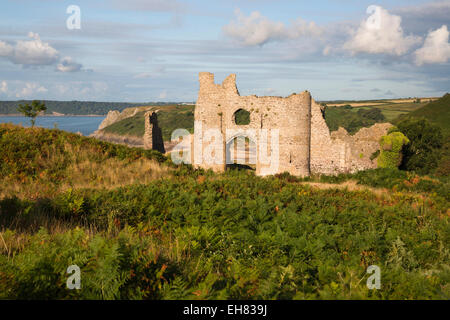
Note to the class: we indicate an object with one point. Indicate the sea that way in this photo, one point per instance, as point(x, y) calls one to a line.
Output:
point(84, 124)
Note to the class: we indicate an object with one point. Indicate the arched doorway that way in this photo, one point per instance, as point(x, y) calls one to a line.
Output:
point(241, 152)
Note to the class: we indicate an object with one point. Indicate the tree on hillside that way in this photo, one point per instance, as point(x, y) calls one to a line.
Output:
point(372, 114)
point(32, 110)
point(423, 152)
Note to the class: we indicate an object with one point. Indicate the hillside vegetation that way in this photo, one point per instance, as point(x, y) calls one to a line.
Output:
point(39, 162)
point(193, 234)
point(438, 113)
point(352, 119)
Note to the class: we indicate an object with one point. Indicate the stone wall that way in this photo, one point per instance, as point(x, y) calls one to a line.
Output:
point(215, 109)
point(339, 152)
point(306, 145)
point(153, 135)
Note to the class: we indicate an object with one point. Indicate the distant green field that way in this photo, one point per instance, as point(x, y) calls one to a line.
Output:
point(393, 110)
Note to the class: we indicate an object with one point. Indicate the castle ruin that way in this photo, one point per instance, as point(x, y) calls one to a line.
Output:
point(305, 144)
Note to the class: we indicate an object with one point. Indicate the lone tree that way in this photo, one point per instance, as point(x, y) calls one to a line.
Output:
point(32, 110)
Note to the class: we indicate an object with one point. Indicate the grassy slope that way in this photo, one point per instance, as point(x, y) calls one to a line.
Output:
point(437, 112)
point(199, 235)
point(40, 162)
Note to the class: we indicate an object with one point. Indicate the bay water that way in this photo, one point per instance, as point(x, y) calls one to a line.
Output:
point(84, 124)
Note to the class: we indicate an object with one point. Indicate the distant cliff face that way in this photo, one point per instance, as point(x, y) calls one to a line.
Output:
point(114, 116)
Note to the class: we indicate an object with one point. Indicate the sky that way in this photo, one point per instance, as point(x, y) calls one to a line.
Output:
point(153, 50)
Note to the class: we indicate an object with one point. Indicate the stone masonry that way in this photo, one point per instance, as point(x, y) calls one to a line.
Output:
point(153, 136)
point(306, 145)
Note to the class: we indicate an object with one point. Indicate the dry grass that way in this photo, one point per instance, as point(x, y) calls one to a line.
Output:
point(83, 172)
point(114, 173)
point(349, 185)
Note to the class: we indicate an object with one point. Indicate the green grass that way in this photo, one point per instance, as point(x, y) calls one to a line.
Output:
point(437, 112)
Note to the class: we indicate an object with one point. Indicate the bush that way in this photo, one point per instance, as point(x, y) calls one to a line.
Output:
point(423, 152)
point(391, 150)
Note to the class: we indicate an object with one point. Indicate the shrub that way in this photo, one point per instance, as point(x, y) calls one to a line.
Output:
point(424, 150)
point(391, 150)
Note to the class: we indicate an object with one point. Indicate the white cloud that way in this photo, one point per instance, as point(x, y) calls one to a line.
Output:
point(5, 49)
point(381, 32)
point(4, 87)
point(30, 88)
point(33, 52)
point(436, 48)
point(68, 65)
point(257, 29)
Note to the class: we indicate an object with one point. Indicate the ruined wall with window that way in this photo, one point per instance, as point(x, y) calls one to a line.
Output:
point(305, 144)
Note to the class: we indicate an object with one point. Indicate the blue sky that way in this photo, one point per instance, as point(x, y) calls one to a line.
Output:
point(152, 50)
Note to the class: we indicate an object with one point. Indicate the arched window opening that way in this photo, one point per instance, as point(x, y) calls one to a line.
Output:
point(241, 117)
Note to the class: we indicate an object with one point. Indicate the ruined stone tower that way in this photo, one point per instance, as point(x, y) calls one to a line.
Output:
point(217, 105)
point(153, 136)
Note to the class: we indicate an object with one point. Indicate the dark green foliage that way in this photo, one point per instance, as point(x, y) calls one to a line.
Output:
point(119, 267)
point(352, 119)
point(437, 112)
point(374, 155)
point(424, 150)
point(242, 117)
point(32, 110)
point(243, 237)
point(371, 114)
